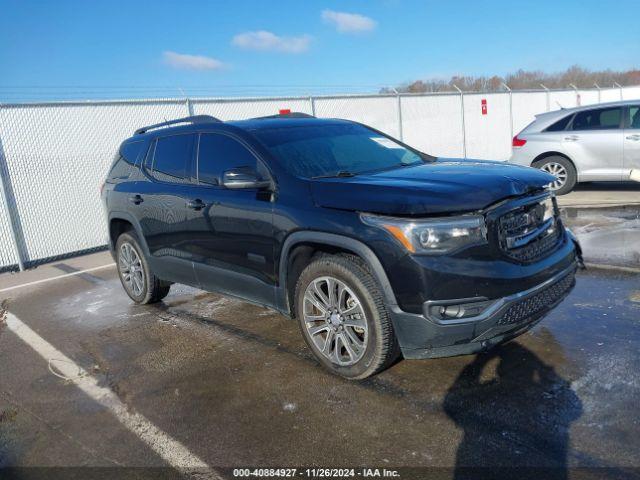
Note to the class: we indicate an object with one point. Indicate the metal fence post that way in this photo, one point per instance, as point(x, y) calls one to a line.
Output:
point(464, 130)
point(399, 116)
point(599, 92)
point(578, 102)
point(189, 107)
point(620, 87)
point(546, 90)
point(510, 109)
point(312, 105)
point(14, 220)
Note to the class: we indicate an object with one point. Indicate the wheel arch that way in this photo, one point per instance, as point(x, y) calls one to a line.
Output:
point(544, 155)
point(120, 222)
point(300, 247)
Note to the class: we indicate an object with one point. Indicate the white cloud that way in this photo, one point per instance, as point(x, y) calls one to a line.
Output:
point(268, 41)
point(191, 62)
point(349, 22)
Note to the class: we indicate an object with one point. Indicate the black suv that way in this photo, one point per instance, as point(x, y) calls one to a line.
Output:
point(376, 249)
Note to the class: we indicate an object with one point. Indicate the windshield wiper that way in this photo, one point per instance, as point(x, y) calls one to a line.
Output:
point(340, 174)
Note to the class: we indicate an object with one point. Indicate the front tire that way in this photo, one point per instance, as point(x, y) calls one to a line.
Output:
point(136, 276)
point(342, 317)
point(563, 169)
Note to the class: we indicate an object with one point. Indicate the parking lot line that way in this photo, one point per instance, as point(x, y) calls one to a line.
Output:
point(57, 277)
point(171, 450)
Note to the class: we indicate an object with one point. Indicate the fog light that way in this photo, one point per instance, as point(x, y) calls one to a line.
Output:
point(454, 311)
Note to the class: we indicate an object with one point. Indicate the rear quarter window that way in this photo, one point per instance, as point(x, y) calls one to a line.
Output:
point(560, 125)
point(124, 160)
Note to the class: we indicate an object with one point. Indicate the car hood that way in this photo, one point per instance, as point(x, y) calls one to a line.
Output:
point(443, 186)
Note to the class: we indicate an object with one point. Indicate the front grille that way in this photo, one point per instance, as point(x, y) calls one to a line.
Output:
point(535, 250)
point(518, 223)
point(530, 306)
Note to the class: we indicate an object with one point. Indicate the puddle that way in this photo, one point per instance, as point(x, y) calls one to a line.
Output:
point(608, 236)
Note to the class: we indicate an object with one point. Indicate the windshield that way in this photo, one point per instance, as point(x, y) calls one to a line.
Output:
point(335, 150)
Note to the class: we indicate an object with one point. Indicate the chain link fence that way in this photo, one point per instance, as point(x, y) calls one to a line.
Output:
point(55, 156)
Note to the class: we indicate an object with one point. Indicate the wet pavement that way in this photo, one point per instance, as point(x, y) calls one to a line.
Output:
point(236, 385)
point(609, 236)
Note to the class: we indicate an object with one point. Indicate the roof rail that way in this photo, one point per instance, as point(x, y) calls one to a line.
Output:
point(192, 119)
point(286, 115)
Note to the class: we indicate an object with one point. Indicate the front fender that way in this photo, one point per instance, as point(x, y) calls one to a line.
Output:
point(334, 240)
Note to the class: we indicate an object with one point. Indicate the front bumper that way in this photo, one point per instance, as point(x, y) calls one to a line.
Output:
point(422, 336)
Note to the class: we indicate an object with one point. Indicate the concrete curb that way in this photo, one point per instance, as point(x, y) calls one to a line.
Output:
point(604, 266)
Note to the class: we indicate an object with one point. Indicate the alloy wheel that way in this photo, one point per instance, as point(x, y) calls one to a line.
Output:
point(335, 320)
point(558, 171)
point(131, 270)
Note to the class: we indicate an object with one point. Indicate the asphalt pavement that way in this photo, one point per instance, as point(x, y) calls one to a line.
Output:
point(200, 384)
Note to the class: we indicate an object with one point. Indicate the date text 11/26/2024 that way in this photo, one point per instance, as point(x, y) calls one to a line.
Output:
point(315, 473)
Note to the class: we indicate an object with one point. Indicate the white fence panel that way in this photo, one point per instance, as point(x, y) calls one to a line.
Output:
point(610, 95)
point(588, 97)
point(564, 99)
point(631, 93)
point(380, 112)
point(57, 157)
point(433, 124)
point(526, 105)
point(494, 125)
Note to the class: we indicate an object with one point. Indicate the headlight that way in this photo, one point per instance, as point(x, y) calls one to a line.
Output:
point(549, 205)
point(432, 236)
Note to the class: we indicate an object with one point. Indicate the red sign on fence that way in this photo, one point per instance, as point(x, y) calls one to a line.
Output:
point(483, 104)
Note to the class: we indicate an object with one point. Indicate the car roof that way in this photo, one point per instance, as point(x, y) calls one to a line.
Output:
point(619, 103)
point(284, 122)
point(248, 125)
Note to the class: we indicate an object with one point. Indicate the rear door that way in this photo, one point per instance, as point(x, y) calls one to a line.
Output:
point(161, 205)
point(594, 142)
point(231, 239)
point(632, 139)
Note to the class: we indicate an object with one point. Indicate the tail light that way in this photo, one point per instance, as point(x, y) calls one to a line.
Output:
point(518, 142)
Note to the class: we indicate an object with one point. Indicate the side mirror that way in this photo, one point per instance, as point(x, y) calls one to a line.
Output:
point(243, 178)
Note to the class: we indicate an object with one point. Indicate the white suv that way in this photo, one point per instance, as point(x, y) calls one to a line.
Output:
point(592, 143)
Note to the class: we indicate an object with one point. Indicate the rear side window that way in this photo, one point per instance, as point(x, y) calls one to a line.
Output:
point(171, 158)
point(599, 119)
point(125, 159)
point(218, 153)
point(560, 125)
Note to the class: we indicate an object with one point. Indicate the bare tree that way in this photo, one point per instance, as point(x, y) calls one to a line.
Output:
point(523, 79)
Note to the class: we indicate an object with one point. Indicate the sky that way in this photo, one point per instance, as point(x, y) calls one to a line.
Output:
point(97, 49)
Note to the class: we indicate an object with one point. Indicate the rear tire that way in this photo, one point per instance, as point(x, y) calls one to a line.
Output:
point(563, 169)
point(351, 333)
point(136, 276)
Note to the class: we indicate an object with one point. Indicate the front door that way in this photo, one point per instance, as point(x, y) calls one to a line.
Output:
point(632, 139)
point(594, 142)
point(231, 239)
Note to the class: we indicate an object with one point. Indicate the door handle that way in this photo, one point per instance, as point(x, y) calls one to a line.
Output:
point(196, 204)
point(571, 138)
point(136, 199)
point(633, 137)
